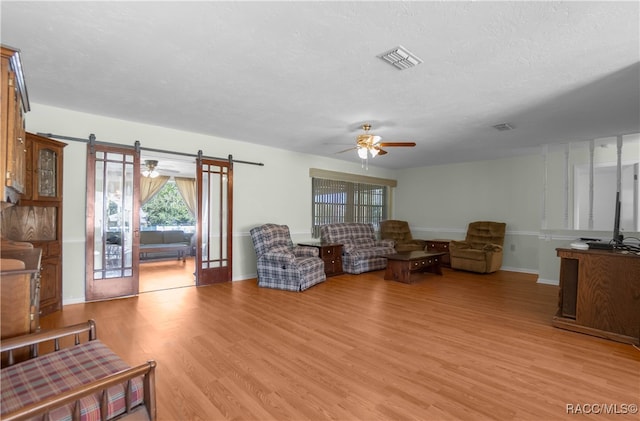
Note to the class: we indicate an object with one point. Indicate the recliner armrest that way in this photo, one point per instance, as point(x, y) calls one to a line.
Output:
point(492, 247)
point(279, 258)
point(305, 251)
point(385, 243)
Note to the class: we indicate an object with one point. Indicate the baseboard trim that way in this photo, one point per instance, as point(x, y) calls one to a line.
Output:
point(548, 281)
point(70, 301)
point(520, 270)
point(244, 277)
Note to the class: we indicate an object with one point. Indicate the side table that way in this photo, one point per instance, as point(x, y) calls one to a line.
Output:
point(440, 246)
point(331, 254)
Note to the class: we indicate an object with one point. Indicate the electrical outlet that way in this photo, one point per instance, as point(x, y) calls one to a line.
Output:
point(513, 247)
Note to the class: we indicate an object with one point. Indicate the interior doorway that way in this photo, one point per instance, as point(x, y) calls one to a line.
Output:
point(167, 221)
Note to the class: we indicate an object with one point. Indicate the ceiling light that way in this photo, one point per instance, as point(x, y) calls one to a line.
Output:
point(151, 169)
point(401, 58)
point(362, 153)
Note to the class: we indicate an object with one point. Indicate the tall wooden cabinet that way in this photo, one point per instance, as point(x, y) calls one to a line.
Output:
point(14, 103)
point(43, 199)
point(37, 218)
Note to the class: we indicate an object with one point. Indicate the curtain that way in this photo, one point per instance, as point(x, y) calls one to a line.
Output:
point(150, 186)
point(187, 188)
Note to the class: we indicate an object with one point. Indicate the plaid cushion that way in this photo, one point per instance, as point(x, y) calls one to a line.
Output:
point(364, 242)
point(304, 251)
point(355, 265)
point(48, 375)
point(341, 232)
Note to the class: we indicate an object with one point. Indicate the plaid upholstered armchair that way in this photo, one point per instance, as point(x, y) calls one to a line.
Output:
point(282, 265)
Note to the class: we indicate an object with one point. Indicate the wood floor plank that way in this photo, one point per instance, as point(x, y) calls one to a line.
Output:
point(460, 346)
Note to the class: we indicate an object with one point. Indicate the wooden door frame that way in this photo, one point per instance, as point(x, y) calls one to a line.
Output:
point(225, 273)
point(123, 286)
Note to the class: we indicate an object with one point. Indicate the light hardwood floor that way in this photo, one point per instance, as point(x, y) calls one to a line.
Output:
point(454, 347)
point(166, 274)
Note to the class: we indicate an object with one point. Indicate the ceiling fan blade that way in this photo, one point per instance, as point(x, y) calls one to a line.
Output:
point(386, 144)
point(382, 152)
point(346, 150)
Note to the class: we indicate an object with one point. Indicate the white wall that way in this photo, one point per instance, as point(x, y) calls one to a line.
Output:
point(440, 201)
point(279, 191)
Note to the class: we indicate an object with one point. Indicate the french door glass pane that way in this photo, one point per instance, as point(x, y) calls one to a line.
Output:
point(214, 237)
point(113, 225)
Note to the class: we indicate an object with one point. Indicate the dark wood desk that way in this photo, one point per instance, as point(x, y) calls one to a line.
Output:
point(599, 294)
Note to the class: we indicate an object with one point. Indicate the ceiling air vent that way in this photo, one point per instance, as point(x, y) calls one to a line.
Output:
point(401, 58)
point(503, 127)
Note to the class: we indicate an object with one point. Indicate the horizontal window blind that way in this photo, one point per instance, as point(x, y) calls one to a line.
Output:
point(346, 201)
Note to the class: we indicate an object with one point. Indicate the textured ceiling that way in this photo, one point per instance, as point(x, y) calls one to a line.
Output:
point(304, 76)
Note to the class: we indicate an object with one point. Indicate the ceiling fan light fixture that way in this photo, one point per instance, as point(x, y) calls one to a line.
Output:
point(362, 152)
point(401, 58)
point(374, 152)
point(150, 172)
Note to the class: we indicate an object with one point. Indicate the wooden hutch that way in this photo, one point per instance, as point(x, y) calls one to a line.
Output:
point(32, 188)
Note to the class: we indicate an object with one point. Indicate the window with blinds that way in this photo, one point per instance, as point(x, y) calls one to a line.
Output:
point(347, 201)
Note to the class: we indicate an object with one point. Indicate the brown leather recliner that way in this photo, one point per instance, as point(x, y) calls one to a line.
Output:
point(481, 251)
point(399, 232)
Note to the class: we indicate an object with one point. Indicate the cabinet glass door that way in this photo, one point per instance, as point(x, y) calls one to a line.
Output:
point(47, 181)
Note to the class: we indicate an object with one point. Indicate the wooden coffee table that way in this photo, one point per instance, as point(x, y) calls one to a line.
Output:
point(400, 265)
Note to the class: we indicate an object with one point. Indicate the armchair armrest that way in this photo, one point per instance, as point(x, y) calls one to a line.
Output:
point(279, 258)
point(385, 243)
point(305, 251)
point(492, 247)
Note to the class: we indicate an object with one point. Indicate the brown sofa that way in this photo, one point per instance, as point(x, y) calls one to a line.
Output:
point(481, 251)
point(399, 232)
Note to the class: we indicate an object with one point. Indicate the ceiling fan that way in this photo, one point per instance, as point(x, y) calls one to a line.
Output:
point(150, 168)
point(368, 144)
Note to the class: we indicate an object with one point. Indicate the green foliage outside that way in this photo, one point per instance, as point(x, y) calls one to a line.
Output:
point(168, 208)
